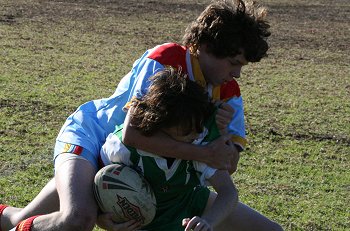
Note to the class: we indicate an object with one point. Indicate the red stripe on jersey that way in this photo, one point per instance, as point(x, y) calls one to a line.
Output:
point(77, 150)
point(229, 90)
point(170, 54)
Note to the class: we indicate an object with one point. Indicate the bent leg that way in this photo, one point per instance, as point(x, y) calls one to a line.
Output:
point(244, 218)
point(78, 210)
point(45, 202)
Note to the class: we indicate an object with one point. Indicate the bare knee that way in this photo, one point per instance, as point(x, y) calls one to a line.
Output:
point(74, 179)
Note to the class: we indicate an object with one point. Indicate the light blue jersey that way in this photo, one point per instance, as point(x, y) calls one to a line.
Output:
point(90, 124)
point(88, 127)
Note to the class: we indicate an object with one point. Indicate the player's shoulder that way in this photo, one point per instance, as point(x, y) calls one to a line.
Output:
point(168, 48)
point(170, 54)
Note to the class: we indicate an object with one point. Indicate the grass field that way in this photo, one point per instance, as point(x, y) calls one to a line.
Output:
point(55, 55)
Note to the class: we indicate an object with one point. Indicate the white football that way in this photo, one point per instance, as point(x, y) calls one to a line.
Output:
point(124, 192)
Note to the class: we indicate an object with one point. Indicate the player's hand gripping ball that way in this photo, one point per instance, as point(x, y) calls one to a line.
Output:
point(124, 192)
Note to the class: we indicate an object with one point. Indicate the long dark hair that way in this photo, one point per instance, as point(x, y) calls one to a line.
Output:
point(172, 100)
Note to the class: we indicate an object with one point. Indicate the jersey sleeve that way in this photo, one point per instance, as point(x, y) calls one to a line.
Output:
point(231, 94)
point(237, 125)
point(114, 151)
point(205, 171)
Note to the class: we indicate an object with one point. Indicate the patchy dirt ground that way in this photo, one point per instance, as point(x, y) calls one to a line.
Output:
point(57, 54)
point(316, 31)
point(317, 24)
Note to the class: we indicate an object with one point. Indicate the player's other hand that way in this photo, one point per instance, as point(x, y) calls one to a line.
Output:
point(196, 224)
point(105, 222)
point(220, 153)
point(223, 116)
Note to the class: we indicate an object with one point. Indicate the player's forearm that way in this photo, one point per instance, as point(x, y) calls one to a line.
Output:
point(161, 144)
point(226, 200)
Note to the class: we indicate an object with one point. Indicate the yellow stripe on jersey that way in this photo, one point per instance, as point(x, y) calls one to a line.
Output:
point(216, 93)
point(199, 78)
point(197, 73)
point(239, 140)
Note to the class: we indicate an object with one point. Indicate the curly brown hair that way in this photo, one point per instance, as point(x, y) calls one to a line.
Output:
point(172, 100)
point(230, 27)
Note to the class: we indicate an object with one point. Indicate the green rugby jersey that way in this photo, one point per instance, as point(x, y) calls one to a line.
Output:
point(179, 186)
